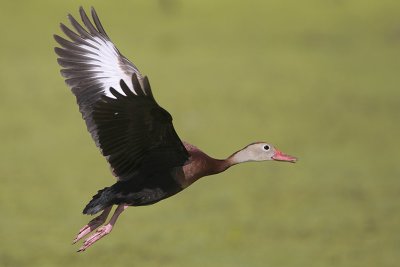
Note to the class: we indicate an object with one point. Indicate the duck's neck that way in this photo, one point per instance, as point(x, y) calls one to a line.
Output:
point(200, 164)
point(220, 165)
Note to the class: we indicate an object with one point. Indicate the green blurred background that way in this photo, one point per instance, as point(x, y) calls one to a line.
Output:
point(319, 79)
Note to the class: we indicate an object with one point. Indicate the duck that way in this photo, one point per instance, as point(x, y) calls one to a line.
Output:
point(132, 131)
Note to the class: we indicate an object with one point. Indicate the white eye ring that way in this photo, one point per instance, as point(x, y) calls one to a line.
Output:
point(266, 147)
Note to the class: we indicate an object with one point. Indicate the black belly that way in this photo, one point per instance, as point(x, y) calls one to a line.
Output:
point(147, 190)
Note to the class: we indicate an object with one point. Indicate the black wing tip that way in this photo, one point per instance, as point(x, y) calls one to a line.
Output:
point(146, 80)
point(147, 87)
point(70, 17)
point(59, 51)
point(97, 22)
point(78, 27)
point(93, 11)
point(115, 93)
point(61, 63)
point(86, 21)
point(140, 91)
point(60, 40)
point(63, 26)
point(82, 10)
point(64, 74)
point(56, 37)
point(68, 32)
point(125, 88)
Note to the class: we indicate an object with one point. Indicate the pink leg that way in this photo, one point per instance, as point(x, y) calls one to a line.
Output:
point(92, 225)
point(104, 230)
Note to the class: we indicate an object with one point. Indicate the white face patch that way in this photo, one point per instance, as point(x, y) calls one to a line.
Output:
point(106, 65)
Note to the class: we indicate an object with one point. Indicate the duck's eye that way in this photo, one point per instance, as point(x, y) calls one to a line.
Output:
point(266, 147)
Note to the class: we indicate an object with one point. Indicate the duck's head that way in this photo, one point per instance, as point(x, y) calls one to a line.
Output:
point(261, 151)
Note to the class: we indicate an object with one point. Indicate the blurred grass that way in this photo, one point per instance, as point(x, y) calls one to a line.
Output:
point(319, 79)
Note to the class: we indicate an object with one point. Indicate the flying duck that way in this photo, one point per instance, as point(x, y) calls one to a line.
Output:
point(133, 132)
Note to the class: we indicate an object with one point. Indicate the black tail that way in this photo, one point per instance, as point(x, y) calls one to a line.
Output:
point(103, 199)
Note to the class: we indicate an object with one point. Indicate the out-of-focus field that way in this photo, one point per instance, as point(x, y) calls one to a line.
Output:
point(319, 79)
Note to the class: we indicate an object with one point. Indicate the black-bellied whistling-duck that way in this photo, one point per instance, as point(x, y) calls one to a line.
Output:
point(133, 132)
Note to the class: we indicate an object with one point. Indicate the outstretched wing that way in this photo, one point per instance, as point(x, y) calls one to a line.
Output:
point(132, 131)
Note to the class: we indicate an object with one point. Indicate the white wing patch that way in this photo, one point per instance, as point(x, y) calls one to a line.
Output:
point(106, 65)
